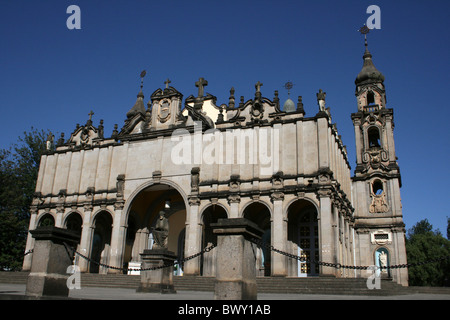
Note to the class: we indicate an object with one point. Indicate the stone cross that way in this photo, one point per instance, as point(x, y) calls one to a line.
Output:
point(167, 83)
point(258, 86)
point(90, 114)
point(201, 83)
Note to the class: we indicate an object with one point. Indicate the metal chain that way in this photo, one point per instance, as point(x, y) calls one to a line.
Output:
point(181, 261)
point(338, 265)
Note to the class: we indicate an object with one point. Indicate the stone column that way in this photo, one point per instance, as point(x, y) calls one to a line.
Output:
point(193, 238)
point(86, 240)
point(118, 235)
point(279, 236)
point(30, 240)
point(236, 259)
point(326, 242)
point(48, 276)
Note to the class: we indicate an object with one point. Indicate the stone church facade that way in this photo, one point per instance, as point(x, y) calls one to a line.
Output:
point(285, 171)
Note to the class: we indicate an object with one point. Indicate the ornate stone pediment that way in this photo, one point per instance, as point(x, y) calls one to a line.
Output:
point(86, 135)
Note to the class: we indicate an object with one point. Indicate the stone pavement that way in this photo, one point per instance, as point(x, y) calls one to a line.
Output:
point(9, 291)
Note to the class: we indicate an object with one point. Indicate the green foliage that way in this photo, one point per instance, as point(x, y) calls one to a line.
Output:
point(19, 166)
point(424, 244)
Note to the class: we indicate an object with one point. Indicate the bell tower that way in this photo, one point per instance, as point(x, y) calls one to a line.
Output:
point(376, 183)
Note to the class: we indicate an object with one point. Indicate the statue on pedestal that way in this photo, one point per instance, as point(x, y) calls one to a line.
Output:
point(161, 232)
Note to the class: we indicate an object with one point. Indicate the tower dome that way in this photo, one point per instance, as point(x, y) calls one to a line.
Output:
point(289, 106)
point(368, 73)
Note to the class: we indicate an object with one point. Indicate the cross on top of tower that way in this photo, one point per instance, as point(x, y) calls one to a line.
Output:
point(90, 114)
point(201, 83)
point(167, 83)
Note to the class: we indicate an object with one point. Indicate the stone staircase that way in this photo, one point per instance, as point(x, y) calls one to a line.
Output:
point(313, 285)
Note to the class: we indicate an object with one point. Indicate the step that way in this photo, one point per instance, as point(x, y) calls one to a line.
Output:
point(313, 285)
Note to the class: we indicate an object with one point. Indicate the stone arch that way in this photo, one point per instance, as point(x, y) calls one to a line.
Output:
point(378, 261)
point(303, 237)
point(101, 241)
point(210, 214)
point(145, 185)
point(140, 215)
point(74, 222)
point(260, 213)
point(46, 219)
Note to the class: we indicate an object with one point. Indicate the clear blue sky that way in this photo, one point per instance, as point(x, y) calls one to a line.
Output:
point(51, 77)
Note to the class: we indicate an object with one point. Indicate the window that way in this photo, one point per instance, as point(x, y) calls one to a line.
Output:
point(377, 187)
point(374, 137)
point(370, 98)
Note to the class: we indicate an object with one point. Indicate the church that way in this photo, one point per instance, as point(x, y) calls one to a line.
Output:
point(259, 159)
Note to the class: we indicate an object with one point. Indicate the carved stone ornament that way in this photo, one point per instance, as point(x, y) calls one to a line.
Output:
point(234, 198)
point(375, 158)
point(277, 196)
point(120, 185)
point(257, 110)
point(379, 203)
point(164, 111)
point(194, 201)
point(234, 183)
point(195, 179)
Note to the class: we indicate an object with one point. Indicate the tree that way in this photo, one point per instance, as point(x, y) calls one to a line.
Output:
point(448, 228)
point(422, 245)
point(19, 166)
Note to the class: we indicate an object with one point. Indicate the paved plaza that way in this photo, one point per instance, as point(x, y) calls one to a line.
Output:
point(9, 291)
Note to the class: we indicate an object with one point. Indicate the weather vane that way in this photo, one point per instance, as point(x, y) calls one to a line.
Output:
point(288, 86)
point(143, 73)
point(364, 30)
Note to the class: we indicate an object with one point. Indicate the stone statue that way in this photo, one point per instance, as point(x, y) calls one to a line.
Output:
point(49, 142)
point(383, 261)
point(161, 232)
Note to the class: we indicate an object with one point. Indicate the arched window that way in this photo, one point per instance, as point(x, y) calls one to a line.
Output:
point(47, 220)
point(377, 187)
point(374, 137)
point(370, 98)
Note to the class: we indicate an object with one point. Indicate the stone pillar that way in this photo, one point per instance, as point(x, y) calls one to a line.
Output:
point(87, 232)
point(326, 236)
point(236, 259)
point(118, 235)
point(30, 240)
point(279, 236)
point(48, 276)
point(193, 238)
point(159, 280)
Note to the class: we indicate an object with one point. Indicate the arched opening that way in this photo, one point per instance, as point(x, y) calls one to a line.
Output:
point(370, 98)
point(377, 187)
point(260, 214)
point(143, 215)
point(74, 222)
point(101, 242)
point(303, 238)
point(211, 215)
point(382, 262)
point(46, 220)
point(374, 137)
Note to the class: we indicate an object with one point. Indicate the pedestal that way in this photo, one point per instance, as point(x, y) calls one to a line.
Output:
point(48, 276)
point(159, 280)
point(236, 259)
